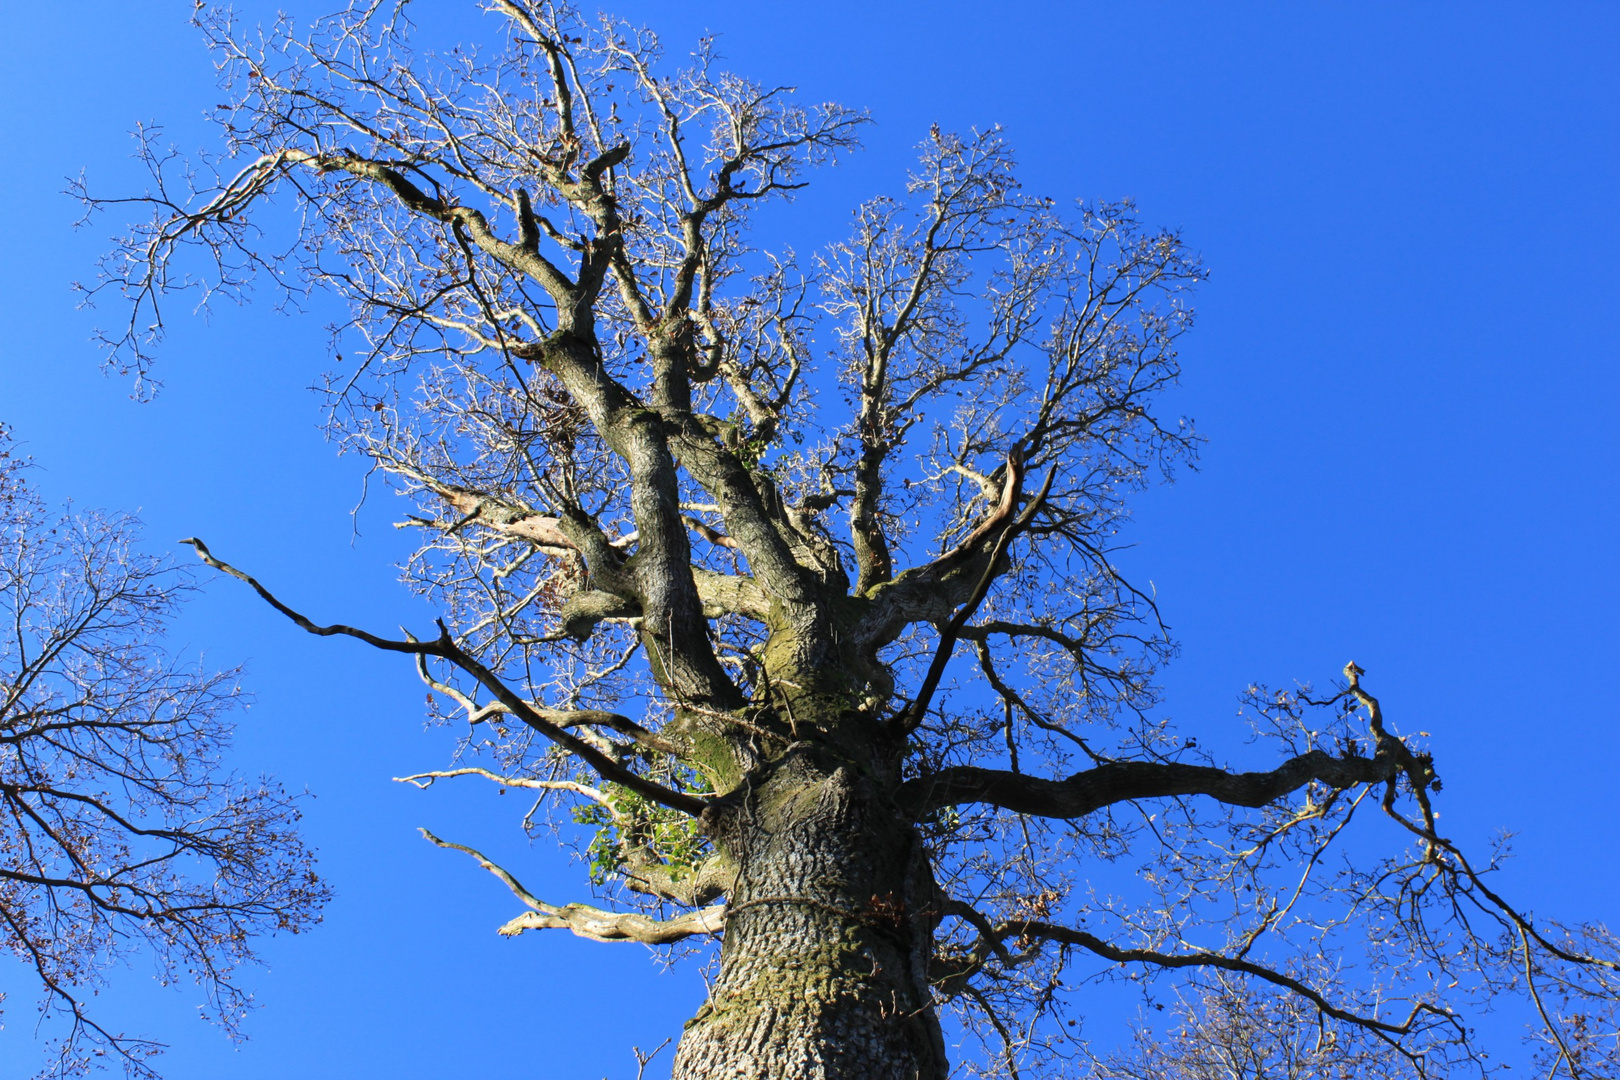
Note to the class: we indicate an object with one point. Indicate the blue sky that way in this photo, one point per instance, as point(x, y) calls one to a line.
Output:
point(1405, 364)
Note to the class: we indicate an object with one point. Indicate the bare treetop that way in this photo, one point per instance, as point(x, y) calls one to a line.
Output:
point(790, 579)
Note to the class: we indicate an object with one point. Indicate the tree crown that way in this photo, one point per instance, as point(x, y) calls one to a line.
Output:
point(769, 505)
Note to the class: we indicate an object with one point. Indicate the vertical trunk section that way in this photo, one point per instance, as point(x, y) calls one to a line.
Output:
point(828, 932)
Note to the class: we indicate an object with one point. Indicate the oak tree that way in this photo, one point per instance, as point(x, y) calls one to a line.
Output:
point(786, 583)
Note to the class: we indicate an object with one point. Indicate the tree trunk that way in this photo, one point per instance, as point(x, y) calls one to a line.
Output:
point(828, 933)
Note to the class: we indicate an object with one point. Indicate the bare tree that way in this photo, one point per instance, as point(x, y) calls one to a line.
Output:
point(789, 581)
point(120, 830)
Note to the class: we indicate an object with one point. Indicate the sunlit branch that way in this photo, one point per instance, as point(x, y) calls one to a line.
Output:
point(591, 922)
point(425, 780)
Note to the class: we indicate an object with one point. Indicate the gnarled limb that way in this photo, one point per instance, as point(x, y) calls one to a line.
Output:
point(425, 780)
point(544, 531)
point(642, 869)
point(644, 873)
point(592, 922)
point(598, 925)
point(1120, 781)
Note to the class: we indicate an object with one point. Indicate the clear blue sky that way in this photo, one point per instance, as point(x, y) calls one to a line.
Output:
point(1405, 364)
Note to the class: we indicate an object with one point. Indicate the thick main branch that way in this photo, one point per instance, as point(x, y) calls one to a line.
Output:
point(1122, 781)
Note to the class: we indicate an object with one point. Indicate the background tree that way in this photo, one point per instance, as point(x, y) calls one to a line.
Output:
point(120, 829)
point(641, 497)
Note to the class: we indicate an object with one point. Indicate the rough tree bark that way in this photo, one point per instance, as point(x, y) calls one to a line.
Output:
point(829, 930)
